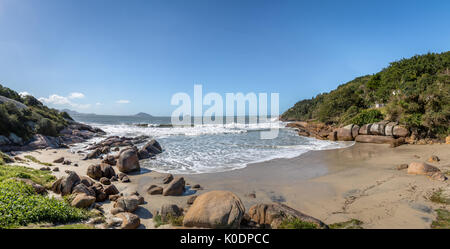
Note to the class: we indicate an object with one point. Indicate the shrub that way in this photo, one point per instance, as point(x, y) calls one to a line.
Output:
point(46, 127)
point(367, 117)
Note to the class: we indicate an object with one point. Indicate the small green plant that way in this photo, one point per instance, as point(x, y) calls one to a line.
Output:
point(442, 220)
point(295, 223)
point(158, 221)
point(34, 159)
point(438, 197)
point(350, 224)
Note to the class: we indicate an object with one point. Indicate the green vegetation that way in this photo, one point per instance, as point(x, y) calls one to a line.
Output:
point(295, 223)
point(350, 224)
point(438, 197)
point(174, 221)
point(38, 176)
point(20, 205)
point(415, 92)
point(25, 122)
point(443, 219)
point(5, 158)
point(34, 159)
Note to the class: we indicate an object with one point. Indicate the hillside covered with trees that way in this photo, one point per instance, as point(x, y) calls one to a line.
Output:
point(25, 116)
point(415, 92)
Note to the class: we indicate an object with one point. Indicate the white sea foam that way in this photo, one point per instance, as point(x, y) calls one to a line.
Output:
point(216, 148)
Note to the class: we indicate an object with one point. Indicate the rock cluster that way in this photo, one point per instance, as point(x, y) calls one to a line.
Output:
point(73, 133)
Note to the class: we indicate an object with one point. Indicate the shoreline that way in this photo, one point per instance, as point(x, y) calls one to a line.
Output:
point(316, 183)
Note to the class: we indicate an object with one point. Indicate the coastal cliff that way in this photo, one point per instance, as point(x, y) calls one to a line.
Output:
point(413, 93)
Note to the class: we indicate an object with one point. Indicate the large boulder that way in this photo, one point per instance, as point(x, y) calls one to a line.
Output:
point(65, 184)
point(378, 128)
point(272, 215)
point(154, 190)
point(129, 220)
point(128, 161)
point(107, 170)
point(375, 139)
point(153, 147)
point(175, 187)
point(419, 168)
point(355, 131)
point(400, 131)
point(83, 189)
point(143, 154)
point(215, 209)
point(83, 201)
point(345, 133)
point(365, 129)
point(389, 128)
point(94, 171)
point(127, 203)
point(168, 211)
point(111, 190)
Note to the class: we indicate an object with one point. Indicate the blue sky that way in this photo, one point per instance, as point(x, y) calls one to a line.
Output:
point(124, 57)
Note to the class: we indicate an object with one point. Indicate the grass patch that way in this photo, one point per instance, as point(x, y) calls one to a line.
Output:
point(350, 224)
point(437, 197)
point(32, 158)
point(174, 221)
point(443, 219)
point(38, 176)
point(296, 223)
point(20, 206)
point(73, 226)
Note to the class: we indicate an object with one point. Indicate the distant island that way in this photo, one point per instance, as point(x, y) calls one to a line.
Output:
point(75, 113)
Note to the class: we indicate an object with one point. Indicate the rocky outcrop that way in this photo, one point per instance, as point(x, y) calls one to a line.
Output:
point(272, 215)
point(127, 203)
point(374, 139)
point(65, 184)
point(83, 201)
point(129, 220)
point(345, 133)
point(175, 187)
point(128, 161)
point(419, 168)
point(73, 133)
point(215, 209)
point(168, 211)
point(155, 190)
point(94, 171)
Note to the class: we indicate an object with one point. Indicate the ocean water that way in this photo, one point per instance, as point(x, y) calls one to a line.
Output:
point(208, 148)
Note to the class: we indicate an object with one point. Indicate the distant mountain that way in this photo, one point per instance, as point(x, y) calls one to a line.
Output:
point(143, 115)
point(75, 113)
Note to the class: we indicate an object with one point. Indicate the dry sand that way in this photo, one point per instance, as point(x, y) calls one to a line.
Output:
point(359, 182)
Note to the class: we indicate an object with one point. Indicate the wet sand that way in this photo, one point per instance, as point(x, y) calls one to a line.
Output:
point(359, 182)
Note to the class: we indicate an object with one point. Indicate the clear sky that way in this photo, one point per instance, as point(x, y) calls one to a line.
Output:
point(124, 57)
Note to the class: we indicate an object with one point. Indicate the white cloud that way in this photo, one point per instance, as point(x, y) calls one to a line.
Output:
point(23, 94)
point(56, 99)
point(98, 104)
point(76, 95)
point(122, 101)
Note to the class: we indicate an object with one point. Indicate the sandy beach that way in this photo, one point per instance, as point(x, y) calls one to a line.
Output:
point(359, 182)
